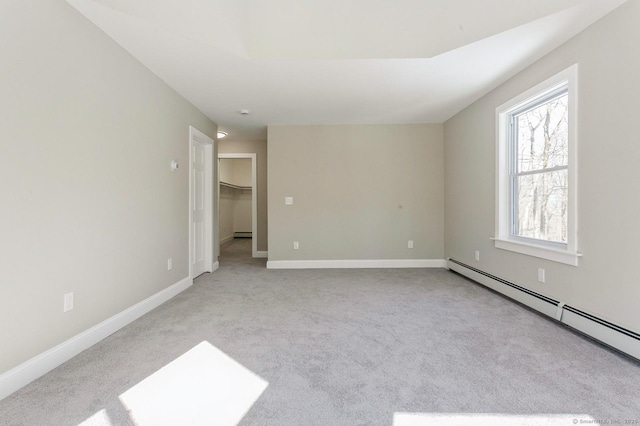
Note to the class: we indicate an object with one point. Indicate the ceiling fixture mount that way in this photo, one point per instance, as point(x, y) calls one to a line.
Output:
point(244, 112)
point(221, 134)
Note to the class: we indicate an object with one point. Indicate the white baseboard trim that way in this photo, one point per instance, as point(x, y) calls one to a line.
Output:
point(262, 254)
point(41, 364)
point(226, 239)
point(352, 264)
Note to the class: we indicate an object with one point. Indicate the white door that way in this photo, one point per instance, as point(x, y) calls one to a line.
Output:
point(197, 209)
point(201, 175)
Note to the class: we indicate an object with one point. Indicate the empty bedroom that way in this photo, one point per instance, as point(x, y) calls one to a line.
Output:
point(328, 212)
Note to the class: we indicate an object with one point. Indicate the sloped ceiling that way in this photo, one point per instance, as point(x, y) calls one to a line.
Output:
point(337, 61)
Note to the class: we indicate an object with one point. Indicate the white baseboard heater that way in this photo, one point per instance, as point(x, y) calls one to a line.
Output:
point(610, 334)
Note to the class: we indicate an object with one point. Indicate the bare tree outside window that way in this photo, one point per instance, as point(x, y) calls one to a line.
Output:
point(539, 171)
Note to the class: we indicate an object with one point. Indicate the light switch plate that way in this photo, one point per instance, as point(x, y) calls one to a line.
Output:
point(288, 201)
point(68, 302)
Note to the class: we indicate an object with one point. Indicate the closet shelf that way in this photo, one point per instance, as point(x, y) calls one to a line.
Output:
point(230, 185)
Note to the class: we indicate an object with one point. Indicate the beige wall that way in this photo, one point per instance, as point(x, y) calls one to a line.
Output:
point(235, 211)
point(227, 205)
point(89, 202)
point(236, 171)
point(606, 281)
point(226, 170)
point(242, 212)
point(360, 192)
point(260, 149)
point(242, 171)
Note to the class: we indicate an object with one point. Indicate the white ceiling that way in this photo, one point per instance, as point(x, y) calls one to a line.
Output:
point(337, 61)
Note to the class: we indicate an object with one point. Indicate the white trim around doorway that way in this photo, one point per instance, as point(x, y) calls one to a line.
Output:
point(254, 199)
point(196, 136)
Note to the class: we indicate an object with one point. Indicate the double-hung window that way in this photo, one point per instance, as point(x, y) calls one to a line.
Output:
point(536, 176)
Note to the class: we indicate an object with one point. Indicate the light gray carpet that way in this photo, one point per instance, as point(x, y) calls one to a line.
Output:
point(346, 347)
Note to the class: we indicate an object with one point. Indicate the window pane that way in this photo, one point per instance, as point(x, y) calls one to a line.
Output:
point(542, 136)
point(541, 206)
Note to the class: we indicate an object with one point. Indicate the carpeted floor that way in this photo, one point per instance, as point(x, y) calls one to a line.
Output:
point(334, 347)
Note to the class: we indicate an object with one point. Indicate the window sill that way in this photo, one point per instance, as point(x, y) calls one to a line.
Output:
point(559, 256)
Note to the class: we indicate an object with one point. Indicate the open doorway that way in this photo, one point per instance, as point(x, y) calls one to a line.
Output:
point(237, 218)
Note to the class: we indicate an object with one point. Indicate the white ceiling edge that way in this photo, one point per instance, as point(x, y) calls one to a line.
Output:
point(380, 29)
point(371, 91)
point(558, 28)
point(337, 29)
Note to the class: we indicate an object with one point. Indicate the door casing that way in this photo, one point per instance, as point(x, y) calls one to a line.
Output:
point(198, 137)
point(254, 197)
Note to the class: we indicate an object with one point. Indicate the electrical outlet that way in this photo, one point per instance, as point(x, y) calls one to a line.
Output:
point(296, 245)
point(410, 244)
point(541, 275)
point(68, 302)
point(169, 264)
point(477, 255)
point(288, 201)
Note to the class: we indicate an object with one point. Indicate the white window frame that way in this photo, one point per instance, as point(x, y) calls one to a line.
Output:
point(563, 253)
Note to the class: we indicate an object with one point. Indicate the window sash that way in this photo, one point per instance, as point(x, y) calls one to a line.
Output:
point(547, 96)
point(556, 92)
point(516, 226)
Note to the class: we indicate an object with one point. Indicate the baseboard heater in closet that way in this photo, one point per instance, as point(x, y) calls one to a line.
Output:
point(242, 234)
point(610, 334)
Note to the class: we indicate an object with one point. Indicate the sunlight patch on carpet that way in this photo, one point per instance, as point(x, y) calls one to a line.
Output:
point(204, 386)
point(481, 419)
point(101, 418)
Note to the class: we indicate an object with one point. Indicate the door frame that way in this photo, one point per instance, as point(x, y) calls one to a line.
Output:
point(254, 196)
point(196, 136)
